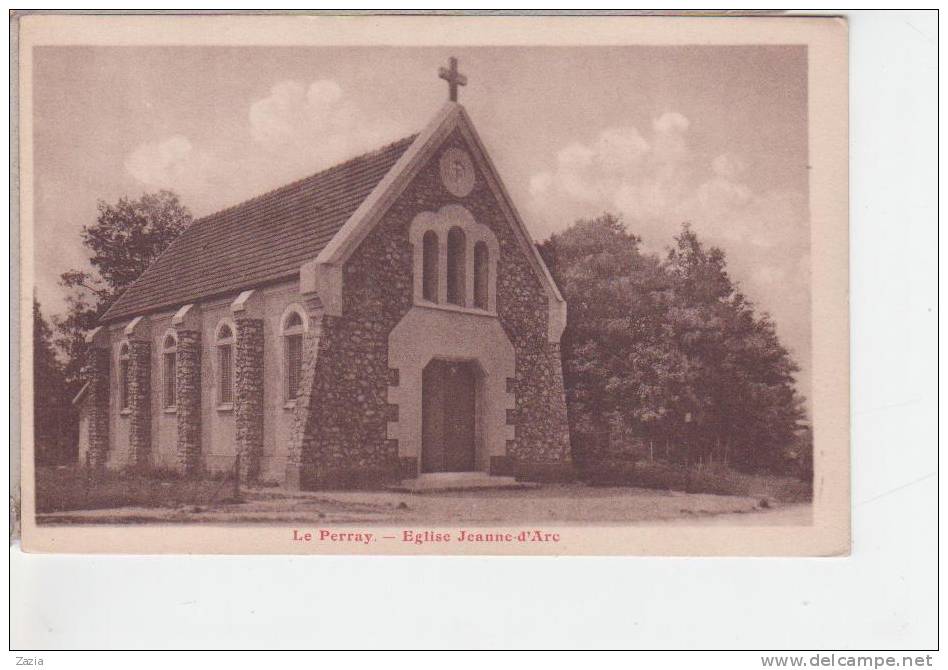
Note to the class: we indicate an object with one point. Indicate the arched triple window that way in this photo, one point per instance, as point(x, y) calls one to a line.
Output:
point(123, 376)
point(481, 275)
point(429, 265)
point(169, 364)
point(224, 342)
point(454, 261)
point(293, 328)
point(457, 267)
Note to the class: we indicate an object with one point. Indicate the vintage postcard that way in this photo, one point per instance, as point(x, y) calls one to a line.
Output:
point(433, 284)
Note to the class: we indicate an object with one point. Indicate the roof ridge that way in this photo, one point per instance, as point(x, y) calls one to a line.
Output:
point(297, 182)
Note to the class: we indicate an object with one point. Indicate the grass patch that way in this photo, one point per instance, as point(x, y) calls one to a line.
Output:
point(715, 480)
point(60, 489)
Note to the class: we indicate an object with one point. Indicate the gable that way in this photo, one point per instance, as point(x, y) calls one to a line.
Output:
point(324, 274)
point(260, 241)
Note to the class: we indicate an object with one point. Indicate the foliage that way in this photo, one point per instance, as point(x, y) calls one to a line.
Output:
point(666, 356)
point(54, 418)
point(124, 240)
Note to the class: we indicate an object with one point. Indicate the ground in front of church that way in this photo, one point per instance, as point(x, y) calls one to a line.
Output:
point(551, 503)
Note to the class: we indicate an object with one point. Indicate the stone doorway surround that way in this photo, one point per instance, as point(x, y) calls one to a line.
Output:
point(427, 333)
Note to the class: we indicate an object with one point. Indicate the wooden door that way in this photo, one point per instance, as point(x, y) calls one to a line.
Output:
point(448, 416)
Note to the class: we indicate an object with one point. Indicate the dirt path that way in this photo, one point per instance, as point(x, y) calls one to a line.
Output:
point(562, 503)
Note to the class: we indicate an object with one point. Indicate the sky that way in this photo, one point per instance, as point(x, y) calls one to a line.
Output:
point(712, 135)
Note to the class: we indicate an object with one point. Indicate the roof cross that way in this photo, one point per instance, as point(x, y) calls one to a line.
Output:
point(453, 77)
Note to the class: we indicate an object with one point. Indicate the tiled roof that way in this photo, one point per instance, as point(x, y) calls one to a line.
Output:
point(259, 241)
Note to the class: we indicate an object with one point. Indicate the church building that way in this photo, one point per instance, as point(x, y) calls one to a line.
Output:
point(383, 320)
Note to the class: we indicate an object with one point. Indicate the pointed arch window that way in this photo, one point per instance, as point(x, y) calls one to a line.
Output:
point(457, 267)
point(430, 266)
point(293, 328)
point(123, 376)
point(225, 364)
point(169, 365)
point(481, 275)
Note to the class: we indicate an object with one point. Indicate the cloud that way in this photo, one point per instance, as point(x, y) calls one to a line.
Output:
point(291, 109)
point(671, 122)
point(292, 132)
point(166, 163)
point(317, 123)
point(656, 182)
point(203, 180)
point(302, 128)
point(619, 170)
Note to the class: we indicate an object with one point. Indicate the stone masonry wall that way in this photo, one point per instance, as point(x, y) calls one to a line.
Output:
point(139, 404)
point(97, 397)
point(345, 437)
point(188, 400)
point(248, 396)
point(541, 449)
point(344, 440)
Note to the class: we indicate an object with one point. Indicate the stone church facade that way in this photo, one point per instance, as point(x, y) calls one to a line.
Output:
point(383, 320)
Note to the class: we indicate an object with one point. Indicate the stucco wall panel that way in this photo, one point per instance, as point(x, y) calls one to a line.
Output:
point(119, 448)
point(164, 424)
point(217, 424)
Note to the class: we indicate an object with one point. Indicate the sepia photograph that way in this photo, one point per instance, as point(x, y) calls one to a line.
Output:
point(471, 298)
point(400, 331)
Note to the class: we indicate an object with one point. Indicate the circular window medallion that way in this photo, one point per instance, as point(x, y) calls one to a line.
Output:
point(457, 172)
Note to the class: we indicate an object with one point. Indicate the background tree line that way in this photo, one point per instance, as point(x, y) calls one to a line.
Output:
point(122, 242)
point(662, 357)
point(665, 357)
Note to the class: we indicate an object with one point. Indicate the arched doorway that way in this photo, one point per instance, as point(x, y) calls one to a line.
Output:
point(448, 416)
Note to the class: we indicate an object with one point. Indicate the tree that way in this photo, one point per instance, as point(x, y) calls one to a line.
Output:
point(668, 352)
point(124, 240)
point(82, 313)
point(129, 235)
point(616, 364)
point(746, 405)
point(54, 419)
